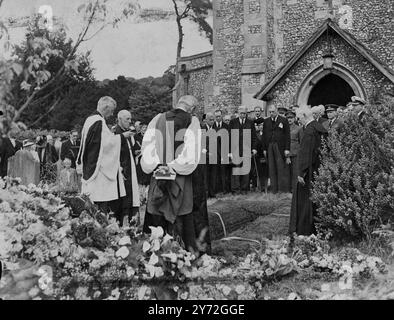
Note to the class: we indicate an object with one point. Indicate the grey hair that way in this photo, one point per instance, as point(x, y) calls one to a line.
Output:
point(123, 113)
point(304, 111)
point(187, 103)
point(104, 102)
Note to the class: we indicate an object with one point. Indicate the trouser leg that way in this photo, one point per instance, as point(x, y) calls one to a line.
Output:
point(272, 170)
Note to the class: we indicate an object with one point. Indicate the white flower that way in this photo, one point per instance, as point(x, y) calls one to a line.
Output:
point(293, 296)
point(145, 246)
point(124, 241)
point(33, 292)
point(171, 256)
point(157, 232)
point(167, 238)
point(123, 252)
point(130, 271)
point(159, 272)
point(155, 245)
point(239, 289)
point(325, 287)
point(141, 292)
point(226, 290)
point(153, 259)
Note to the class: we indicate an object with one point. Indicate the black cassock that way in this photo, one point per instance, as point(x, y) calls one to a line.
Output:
point(302, 208)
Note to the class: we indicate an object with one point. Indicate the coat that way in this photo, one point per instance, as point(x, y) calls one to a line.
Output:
point(241, 143)
point(278, 132)
point(70, 151)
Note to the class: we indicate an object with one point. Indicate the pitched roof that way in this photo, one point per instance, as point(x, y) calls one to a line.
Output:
point(330, 25)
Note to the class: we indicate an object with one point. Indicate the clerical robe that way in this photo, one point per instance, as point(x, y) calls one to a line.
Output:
point(99, 160)
point(308, 162)
point(182, 209)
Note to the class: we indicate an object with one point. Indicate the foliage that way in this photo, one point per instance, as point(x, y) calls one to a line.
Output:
point(32, 134)
point(354, 189)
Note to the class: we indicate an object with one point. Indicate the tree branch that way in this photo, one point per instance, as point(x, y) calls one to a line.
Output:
point(46, 113)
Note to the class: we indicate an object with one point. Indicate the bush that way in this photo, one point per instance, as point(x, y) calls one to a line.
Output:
point(354, 188)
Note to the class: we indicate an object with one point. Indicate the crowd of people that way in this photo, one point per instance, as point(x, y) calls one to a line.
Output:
point(272, 152)
point(223, 153)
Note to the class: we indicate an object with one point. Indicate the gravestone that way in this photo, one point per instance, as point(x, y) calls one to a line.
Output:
point(23, 165)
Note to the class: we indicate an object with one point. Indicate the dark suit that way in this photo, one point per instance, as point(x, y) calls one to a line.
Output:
point(48, 154)
point(7, 150)
point(276, 141)
point(123, 207)
point(222, 170)
point(70, 151)
point(242, 182)
point(210, 164)
point(262, 170)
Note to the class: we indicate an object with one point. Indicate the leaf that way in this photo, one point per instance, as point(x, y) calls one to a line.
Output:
point(25, 86)
point(155, 245)
point(18, 68)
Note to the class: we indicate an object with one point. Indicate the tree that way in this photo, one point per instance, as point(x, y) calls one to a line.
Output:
point(197, 11)
point(35, 68)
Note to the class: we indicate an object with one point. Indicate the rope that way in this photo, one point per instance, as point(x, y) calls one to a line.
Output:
point(221, 220)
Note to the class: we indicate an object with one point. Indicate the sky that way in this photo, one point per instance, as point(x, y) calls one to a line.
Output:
point(131, 49)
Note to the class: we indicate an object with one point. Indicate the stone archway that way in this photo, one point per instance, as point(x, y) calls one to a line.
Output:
point(339, 80)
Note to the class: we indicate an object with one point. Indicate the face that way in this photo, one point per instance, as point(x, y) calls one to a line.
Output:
point(291, 120)
point(218, 116)
point(273, 112)
point(210, 120)
point(125, 121)
point(137, 126)
point(331, 114)
point(242, 114)
point(257, 112)
point(226, 120)
point(50, 141)
point(143, 128)
point(74, 136)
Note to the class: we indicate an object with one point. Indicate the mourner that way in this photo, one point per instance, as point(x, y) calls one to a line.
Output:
point(242, 150)
point(70, 148)
point(302, 208)
point(222, 169)
point(179, 206)
point(334, 122)
point(295, 139)
point(276, 149)
point(208, 151)
point(127, 206)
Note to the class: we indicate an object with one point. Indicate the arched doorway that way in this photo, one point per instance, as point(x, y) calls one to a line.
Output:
point(336, 86)
point(331, 89)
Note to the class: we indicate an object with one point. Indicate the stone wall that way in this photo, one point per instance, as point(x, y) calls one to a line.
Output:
point(370, 21)
point(197, 79)
point(285, 91)
point(228, 43)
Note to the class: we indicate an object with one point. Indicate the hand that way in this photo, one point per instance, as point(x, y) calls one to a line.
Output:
point(127, 134)
point(288, 160)
point(230, 155)
point(204, 151)
point(79, 169)
point(254, 151)
point(265, 154)
point(137, 152)
point(287, 153)
point(301, 180)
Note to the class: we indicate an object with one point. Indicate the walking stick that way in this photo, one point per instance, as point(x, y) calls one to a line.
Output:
point(257, 173)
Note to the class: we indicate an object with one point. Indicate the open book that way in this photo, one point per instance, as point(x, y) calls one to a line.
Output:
point(164, 173)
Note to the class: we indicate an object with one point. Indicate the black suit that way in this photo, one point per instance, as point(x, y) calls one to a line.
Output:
point(7, 150)
point(276, 140)
point(240, 182)
point(210, 163)
point(222, 171)
point(70, 151)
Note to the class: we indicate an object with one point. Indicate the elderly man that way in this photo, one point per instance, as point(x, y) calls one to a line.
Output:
point(227, 119)
point(127, 206)
point(99, 158)
point(276, 147)
point(243, 142)
point(171, 149)
point(210, 162)
point(221, 171)
point(302, 209)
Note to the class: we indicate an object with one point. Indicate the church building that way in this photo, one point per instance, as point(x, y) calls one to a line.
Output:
point(293, 52)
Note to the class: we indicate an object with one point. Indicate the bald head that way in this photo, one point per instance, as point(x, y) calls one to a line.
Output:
point(106, 106)
point(124, 119)
point(187, 103)
point(210, 119)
